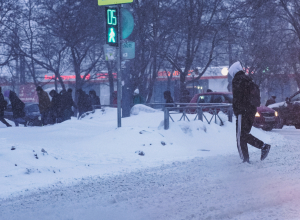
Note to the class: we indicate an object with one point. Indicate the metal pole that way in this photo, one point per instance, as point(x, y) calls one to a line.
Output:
point(230, 113)
point(119, 58)
point(166, 119)
point(200, 114)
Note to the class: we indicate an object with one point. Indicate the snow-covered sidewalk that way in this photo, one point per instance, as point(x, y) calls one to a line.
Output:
point(94, 146)
point(216, 187)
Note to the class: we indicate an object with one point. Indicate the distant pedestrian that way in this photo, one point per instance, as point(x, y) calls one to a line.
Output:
point(17, 107)
point(137, 98)
point(44, 103)
point(95, 100)
point(66, 105)
point(246, 99)
point(55, 111)
point(271, 101)
point(3, 104)
point(84, 102)
point(168, 98)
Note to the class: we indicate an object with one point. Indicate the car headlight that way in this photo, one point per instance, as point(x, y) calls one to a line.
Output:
point(257, 114)
point(276, 113)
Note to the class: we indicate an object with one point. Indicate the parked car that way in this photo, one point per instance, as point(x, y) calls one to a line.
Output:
point(288, 111)
point(265, 117)
point(32, 114)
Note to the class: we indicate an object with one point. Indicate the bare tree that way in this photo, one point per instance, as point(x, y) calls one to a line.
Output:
point(289, 12)
point(200, 28)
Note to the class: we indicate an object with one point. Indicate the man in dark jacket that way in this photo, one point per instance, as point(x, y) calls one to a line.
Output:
point(168, 98)
point(271, 100)
point(55, 107)
point(245, 113)
point(66, 104)
point(3, 104)
point(44, 103)
point(17, 107)
point(95, 100)
point(84, 102)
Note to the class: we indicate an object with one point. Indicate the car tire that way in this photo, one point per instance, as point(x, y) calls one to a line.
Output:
point(297, 126)
point(29, 123)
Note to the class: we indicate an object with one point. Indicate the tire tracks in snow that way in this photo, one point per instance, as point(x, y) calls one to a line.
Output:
point(218, 187)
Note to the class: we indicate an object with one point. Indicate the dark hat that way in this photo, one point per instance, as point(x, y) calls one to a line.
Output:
point(39, 88)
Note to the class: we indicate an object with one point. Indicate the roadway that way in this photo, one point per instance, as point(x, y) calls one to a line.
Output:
point(219, 187)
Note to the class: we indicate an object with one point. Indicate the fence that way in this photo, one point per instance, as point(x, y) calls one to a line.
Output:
point(188, 108)
point(199, 110)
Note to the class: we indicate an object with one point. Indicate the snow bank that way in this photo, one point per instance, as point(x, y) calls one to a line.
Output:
point(136, 109)
point(277, 105)
point(94, 146)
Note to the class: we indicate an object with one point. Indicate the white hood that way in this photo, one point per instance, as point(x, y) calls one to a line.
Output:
point(137, 91)
point(236, 67)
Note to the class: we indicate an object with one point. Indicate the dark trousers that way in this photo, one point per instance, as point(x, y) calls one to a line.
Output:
point(4, 121)
point(245, 122)
point(44, 116)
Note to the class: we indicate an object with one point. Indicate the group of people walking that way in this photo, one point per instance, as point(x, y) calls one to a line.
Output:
point(58, 109)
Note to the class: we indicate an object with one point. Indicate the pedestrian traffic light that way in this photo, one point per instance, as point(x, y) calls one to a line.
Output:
point(112, 22)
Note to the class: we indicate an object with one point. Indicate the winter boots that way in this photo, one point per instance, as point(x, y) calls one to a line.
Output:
point(265, 151)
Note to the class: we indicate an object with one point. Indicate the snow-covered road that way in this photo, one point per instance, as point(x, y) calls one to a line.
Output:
point(217, 187)
point(288, 132)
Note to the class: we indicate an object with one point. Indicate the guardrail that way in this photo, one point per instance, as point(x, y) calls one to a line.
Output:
point(188, 108)
point(199, 110)
point(162, 105)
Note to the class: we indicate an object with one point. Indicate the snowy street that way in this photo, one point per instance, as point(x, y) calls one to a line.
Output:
point(205, 187)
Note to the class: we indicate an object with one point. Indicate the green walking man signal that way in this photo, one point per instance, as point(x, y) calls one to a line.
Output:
point(112, 36)
point(112, 22)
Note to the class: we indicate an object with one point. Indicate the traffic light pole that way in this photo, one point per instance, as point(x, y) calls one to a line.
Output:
point(119, 59)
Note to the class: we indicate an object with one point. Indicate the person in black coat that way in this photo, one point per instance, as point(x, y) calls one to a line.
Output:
point(168, 98)
point(66, 104)
point(56, 112)
point(95, 100)
point(3, 104)
point(84, 103)
point(17, 107)
point(245, 113)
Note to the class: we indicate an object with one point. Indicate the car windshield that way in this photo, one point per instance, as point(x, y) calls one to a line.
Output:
point(204, 99)
point(228, 97)
point(32, 108)
point(218, 99)
point(296, 98)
